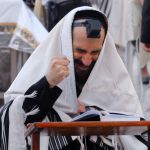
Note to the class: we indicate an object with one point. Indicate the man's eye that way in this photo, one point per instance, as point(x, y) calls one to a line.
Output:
point(95, 53)
point(80, 51)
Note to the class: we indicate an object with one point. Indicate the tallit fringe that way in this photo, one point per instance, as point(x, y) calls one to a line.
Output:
point(80, 139)
point(32, 95)
point(35, 110)
point(114, 142)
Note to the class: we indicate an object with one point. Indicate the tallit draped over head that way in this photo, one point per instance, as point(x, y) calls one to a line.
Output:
point(108, 86)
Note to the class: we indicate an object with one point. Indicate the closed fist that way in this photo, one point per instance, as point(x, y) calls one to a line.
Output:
point(58, 70)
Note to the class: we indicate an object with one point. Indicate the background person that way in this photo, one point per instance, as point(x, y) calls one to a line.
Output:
point(145, 39)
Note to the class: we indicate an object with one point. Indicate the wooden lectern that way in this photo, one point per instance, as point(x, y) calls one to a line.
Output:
point(86, 128)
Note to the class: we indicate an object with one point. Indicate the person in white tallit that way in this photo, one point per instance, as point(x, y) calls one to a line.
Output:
point(76, 64)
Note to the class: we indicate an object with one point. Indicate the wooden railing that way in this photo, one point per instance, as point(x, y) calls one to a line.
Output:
point(86, 128)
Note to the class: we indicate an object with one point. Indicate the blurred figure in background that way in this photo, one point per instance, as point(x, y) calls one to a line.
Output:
point(145, 31)
point(103, 5)
point(145, 39)
point(51, 11)
point(30, 3)
point(20, 34)
point(145, 50)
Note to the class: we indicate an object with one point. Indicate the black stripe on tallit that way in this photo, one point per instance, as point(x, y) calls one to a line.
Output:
point(101, 5)
point(109, 7)
point(57, 142)
point(105, 7)
point(142, 140)
point(4, 122)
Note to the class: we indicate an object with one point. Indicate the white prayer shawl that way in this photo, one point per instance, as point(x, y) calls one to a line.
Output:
point(20, 21)
point(124, 21)
point(108, 87)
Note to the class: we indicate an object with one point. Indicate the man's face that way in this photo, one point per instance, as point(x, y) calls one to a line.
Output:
point(85, 50)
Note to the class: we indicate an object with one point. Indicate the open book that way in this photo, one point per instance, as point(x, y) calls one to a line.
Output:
point(95, 115)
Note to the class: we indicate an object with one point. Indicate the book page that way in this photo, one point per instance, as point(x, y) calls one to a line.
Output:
point(119, 117)
point(90, 115)
point(95, 115)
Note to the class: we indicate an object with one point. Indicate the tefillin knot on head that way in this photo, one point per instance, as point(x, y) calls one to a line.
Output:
point(93, 26)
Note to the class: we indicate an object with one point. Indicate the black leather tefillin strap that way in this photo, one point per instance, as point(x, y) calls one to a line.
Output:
point(93, 26)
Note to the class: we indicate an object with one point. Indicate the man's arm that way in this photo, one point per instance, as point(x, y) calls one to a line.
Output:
point(47, 90)
point(43, 100)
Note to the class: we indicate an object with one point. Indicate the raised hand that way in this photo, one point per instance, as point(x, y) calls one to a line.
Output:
point(58, 70)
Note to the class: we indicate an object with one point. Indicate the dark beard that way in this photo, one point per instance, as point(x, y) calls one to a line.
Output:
point(81, 79)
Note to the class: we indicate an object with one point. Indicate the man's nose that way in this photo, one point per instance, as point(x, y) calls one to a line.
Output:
point(87, 60)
